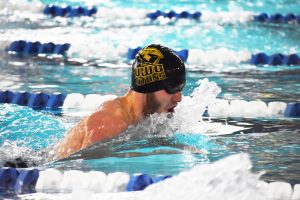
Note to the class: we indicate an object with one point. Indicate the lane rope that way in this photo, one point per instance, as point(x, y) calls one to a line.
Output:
point(76, 101)
point(22, 181)
point(192, 56)
point(69, 11)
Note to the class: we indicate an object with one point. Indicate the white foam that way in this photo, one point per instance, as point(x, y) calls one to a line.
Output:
point(227, 17)
point(10, 150)
point(189, 111)
point(14, 10)
point(33, 6)
point(229, 178)
point(217, 56)
point(82, 194)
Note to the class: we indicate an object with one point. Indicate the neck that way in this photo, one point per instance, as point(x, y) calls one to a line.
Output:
point(134, 103)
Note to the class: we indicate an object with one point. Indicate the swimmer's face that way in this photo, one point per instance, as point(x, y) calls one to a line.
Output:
point(161, 102)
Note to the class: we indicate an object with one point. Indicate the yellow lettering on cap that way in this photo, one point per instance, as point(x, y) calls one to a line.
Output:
point(149, 70)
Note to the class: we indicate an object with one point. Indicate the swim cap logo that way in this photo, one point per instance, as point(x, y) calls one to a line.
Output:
point(147, 69)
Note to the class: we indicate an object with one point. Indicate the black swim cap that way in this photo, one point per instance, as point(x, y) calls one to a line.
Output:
point(156, 68)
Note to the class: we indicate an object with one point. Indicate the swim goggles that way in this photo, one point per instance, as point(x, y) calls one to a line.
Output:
point(172, 90)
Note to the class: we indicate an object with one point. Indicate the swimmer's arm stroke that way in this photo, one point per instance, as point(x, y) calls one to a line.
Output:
point(99, 126)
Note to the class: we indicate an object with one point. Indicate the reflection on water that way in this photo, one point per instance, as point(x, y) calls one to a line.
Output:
point(273, 146)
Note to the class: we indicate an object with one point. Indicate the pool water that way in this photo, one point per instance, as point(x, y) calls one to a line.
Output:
point(273, 143)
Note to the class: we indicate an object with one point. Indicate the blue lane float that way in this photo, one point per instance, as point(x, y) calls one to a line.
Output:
point(277, 18)
point(18, 181)
point(68, 11)
point(8, 178)
point(275, 59)
point(26, 181)
point(172, 14)
point(292, 110)
point(141, 181)
point(33, 100)
point(27, 48)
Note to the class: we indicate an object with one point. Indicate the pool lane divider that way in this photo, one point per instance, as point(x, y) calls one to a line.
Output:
point(38, 100)
point(255, 59)
point(79, 11)
point(29, 180)
point(69, 11)
point(277, 18)
point(275, 59)
point(172, 14)
point(26, 48)
point(262, 17)
point(241, 108)
point(77, 101)
point(26, 181)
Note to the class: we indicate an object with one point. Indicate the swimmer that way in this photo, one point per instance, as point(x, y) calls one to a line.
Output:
point(158, 77)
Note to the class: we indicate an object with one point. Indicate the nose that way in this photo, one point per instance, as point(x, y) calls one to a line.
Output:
point(177, 96)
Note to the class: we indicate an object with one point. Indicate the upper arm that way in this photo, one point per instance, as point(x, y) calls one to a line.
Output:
point(103, 126)
point(97, 127)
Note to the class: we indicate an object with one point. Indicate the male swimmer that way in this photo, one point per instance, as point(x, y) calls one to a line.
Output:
point(158, 77)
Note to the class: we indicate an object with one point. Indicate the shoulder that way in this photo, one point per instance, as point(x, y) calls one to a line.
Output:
point(108, 121)
point(110, 110)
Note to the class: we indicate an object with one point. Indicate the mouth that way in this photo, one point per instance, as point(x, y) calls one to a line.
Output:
point(171, 109)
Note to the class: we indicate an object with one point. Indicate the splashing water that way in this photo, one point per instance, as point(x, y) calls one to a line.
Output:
point(11, 151)
point(184, 129)
point(229, 178)
point(26, 130)
point(186, 125)
point(189, 112)
point(188, 116)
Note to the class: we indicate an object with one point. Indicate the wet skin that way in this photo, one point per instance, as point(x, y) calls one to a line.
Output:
point(113, 117)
